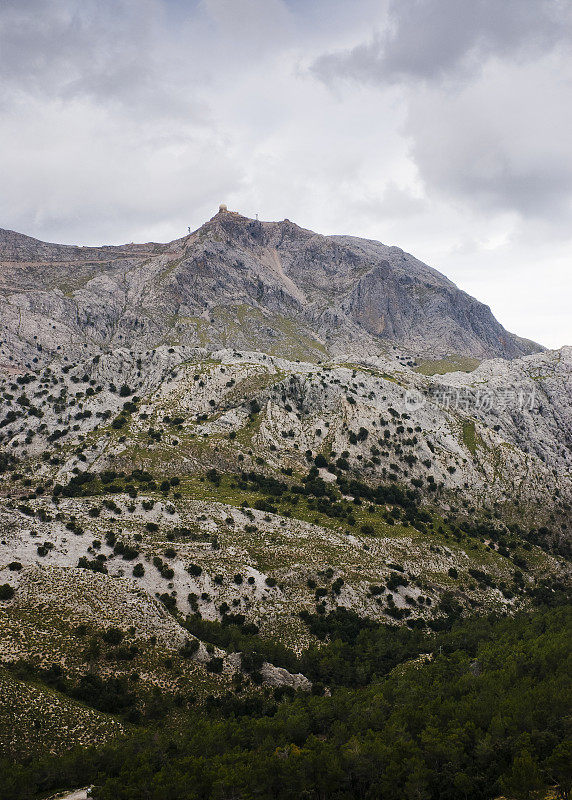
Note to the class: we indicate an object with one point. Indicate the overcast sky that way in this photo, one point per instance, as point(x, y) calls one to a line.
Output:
point(441, 126)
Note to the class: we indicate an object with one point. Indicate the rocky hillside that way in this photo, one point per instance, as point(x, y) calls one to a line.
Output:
point(181, 514)
point(159, 493)
point(269, 286)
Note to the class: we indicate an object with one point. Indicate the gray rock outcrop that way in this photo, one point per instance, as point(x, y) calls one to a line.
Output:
point(269, 286)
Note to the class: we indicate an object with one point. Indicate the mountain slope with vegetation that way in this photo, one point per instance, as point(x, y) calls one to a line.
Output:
point(252, 527)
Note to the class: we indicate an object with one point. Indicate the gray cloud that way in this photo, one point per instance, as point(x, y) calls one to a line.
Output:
point(486, 91)
point(431, 39)
point(500, 142)
point(114, 52)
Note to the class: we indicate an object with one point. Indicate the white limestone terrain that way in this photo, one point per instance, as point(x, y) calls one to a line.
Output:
point(246, 425)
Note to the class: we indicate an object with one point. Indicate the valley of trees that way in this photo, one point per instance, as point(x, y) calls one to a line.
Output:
point(479, 709)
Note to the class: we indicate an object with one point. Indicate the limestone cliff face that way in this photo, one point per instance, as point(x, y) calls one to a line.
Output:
point(235, 281)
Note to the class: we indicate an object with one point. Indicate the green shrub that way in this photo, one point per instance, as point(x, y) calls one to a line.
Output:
point(6, 591)
point(215, 665)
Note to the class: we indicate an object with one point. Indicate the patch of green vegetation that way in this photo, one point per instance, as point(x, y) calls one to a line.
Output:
point(36, 720)
point(337, 514)
point(452, 363)
point(371, 371)
point(296, 344)
point(470, 436)
point(169, 269)
point(254, 382)
point(73, 282)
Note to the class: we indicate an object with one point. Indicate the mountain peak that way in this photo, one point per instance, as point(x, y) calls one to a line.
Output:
point(242, 282)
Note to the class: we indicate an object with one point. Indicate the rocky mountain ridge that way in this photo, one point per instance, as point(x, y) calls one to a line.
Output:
point(269, 286)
